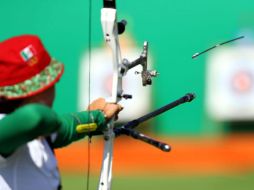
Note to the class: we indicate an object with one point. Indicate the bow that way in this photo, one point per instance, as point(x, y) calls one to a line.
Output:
point(111, 30)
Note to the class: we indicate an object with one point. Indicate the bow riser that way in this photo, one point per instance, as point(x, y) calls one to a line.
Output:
point(110, 32)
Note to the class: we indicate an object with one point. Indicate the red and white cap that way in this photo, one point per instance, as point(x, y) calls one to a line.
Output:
point(26, 68)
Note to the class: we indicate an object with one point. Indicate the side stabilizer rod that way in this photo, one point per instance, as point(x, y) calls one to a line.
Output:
point(137, 135)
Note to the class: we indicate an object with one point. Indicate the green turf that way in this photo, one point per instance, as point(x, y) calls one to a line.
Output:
point(229, 182)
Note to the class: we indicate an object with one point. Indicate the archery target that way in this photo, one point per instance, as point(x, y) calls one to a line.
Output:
point(230, 84)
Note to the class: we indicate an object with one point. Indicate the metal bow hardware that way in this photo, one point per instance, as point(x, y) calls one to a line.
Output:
point(111, 30)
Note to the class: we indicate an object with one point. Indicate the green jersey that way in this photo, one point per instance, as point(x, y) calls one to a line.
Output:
point(26, 158)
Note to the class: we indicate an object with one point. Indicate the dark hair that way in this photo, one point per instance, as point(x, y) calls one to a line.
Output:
point(8, 106)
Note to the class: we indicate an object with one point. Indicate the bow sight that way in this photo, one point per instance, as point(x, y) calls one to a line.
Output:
point(142, 60)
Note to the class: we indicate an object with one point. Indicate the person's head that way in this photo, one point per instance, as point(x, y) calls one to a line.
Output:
point(27, 73)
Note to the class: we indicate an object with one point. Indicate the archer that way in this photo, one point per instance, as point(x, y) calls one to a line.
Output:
point(29, 128)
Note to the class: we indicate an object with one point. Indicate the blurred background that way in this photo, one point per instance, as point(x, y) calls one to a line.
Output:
point(212, 138)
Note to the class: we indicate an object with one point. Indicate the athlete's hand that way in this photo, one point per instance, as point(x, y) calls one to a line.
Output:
point(109, 109)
